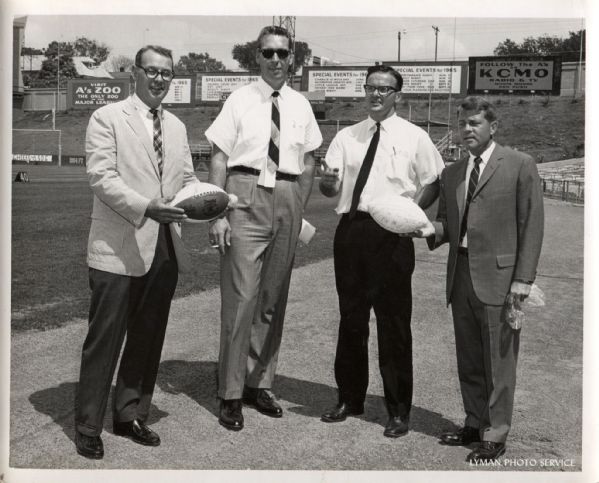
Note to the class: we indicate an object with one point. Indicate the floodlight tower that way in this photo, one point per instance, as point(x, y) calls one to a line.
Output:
point(288, 23)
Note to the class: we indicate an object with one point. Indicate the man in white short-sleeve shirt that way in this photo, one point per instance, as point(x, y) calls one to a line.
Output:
point(262, 152)
point(381, 156)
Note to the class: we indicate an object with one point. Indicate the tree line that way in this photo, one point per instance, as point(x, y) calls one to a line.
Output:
point(59, 55)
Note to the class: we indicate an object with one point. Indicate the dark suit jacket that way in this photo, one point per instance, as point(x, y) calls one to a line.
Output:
point(505, 223)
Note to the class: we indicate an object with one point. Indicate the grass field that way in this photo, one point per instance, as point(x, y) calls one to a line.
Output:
point(550, 128)
point(50, 225)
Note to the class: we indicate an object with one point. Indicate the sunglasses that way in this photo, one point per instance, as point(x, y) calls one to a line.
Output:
point(269, 53)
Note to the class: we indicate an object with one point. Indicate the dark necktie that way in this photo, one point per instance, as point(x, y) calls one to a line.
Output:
point(364, 171)
point(275, 131)
point(472, 183)
point(157, 138)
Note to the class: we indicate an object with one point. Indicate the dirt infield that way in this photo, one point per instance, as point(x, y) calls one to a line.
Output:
point(548, 408)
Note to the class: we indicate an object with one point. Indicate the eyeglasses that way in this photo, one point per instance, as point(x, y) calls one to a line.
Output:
point(268, 53)
point(382, 90)
point(152, 73)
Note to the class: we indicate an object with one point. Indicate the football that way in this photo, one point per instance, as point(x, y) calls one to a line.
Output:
point(398, 214)
point(201, 201)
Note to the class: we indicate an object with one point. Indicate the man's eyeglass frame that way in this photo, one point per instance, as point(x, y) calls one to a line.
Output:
point(269, 53)
point(372, 89)
point(167, 75)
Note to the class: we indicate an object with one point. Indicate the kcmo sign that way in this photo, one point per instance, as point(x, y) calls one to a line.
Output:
point(515, 74)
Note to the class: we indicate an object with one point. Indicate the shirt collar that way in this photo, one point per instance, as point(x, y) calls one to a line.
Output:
point(267, 91)
point(142, 106)
point(385, 123)
point(484, 156)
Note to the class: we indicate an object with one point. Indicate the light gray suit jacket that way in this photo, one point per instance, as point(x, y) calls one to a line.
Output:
point(124, 177)
point(505, 223)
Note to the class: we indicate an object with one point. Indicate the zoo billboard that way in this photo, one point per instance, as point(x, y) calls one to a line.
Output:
point(518, 75)
point(93, 93)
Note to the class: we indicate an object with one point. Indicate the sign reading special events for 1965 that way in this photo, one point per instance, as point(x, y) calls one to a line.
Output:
point(419, 78)
point(179, 92)
point(216, 88)
point(515, 74)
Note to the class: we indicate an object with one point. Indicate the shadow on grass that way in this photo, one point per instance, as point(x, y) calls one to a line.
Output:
point(59, 403)
point(198, 381)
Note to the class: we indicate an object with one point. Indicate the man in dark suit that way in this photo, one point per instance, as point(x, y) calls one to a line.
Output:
point(491, 213)
point(137, 160)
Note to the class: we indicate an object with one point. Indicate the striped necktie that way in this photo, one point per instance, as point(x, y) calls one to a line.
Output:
point(275, 132)
point(157, 138)
point(472, 183)
point(364, 171)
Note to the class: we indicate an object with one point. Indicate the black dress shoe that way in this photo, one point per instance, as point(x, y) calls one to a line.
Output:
point(487, 451)
point(462, 437)
point(396, 427)
point(89, 446)
point(341, 412)
point(263, 400)
point(137, 431)
point(230, 415)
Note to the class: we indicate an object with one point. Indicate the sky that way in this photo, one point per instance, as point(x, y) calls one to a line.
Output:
point(351, 40)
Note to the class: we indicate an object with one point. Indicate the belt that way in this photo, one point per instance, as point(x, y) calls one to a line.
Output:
point(256, 172)
point(463, 251)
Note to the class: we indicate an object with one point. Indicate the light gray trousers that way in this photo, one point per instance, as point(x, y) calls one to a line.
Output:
point(255, 275)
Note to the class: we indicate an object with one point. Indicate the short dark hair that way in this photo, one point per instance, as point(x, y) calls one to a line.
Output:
point(156, 48)
point(274, 30)
point(478, 104)
point(386, 70)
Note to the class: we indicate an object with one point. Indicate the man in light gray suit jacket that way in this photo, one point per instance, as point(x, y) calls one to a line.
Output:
point(138, 158)
point(491, 213)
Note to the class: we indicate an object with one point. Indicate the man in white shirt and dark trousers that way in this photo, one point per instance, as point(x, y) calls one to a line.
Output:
point(381, 156)
point(262, 152)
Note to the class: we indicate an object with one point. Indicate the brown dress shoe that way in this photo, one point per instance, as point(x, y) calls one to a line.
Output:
point(396, 427)
point(230, 415)
point(137, 431)
point(487, 451)
point(462, 437)
point(263, 400)
point(340, 413)
point(89, 446)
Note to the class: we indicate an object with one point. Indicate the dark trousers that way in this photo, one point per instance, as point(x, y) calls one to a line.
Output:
point(487, 353)
point(138, 307)
point(373, 269)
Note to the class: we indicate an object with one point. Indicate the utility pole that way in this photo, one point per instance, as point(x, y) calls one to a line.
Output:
point(436, 29)
point(430, 92)
point(399, 46)
point(289, 24)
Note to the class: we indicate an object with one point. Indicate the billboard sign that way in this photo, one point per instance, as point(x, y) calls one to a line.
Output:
point(519, 75)
point(180, 92)
point(335, 82)
point(93, 93)
point(217, 87)
point(432, 77)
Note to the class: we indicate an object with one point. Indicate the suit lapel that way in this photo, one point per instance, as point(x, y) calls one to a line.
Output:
point(460, 191)
point(134, 120)
point(492, 165)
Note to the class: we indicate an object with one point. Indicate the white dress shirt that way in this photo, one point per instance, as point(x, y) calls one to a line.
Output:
point(485, 156)
point(146, 116)
point(406, 160)
point(243, 127)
